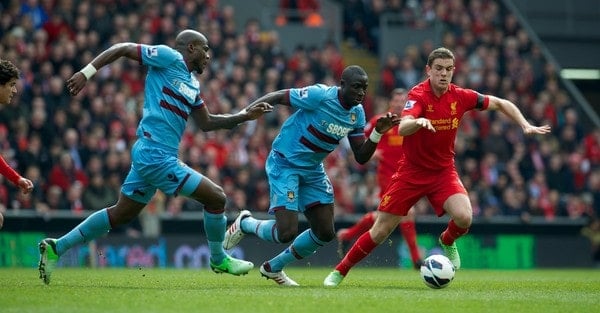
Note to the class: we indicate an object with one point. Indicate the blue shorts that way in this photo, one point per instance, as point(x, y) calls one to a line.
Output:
point(296, 188)
point(155, 166)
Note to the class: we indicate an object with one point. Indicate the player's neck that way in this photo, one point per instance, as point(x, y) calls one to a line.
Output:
point(439, 92)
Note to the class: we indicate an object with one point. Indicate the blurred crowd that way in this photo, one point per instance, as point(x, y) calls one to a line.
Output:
point(76, 149)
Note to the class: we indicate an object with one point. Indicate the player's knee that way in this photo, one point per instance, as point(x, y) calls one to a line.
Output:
point(325, 235)
point(286, 236)
point(216, 199)
point(463, 219)
point(120, 217)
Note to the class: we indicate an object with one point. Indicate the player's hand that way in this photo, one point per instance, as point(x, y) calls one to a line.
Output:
point(530, 129)
point(76, 83)
point(386, 122)
point(257, 110)
point(25, 185)
point(425, 123)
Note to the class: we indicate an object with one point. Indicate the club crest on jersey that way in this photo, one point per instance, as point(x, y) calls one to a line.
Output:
point(290, 195)
point(303, 93)
point(453, 108)
point(409, 104)
point(386, 199)
point(152, 51)
point(353, 117)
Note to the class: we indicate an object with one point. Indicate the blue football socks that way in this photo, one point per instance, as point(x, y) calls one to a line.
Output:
point(264, 229)
point(304, 245)
point(91, 228)
point(214, 226)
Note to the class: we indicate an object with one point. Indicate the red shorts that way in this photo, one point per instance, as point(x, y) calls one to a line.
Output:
point(408, 185)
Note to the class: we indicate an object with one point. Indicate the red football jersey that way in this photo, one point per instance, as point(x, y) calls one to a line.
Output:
point(434, 151)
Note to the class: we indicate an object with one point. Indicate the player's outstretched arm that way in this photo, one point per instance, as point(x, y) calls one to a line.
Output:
point(207, 121)
point(274, 98)
point(79, 79)
point(512, 111)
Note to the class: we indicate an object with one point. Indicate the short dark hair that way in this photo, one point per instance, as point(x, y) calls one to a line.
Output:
point(352, 70)
point(8, 71)
point(398, 91)
point(440, 53)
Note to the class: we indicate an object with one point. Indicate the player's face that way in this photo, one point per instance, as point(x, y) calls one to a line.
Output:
point(7, 91)
point(355, 89)
point(440, 73)
point(200, 56)
point(397, 103)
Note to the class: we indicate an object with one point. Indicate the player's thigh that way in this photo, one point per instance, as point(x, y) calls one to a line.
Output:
point(136, 188)
point(156, 167)
point(315, 189)
point(283, 187)
point(210, 194)
point(449, 187)
point(458, 206)
point(400, 196)
point(125, 210)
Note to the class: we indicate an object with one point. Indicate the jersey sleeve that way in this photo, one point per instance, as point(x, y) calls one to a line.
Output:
point(8, 172)
point(198, 103)
point(308, 98)
point(413, 106)
point(359, 129)
point(158, 56)
point(473, 99)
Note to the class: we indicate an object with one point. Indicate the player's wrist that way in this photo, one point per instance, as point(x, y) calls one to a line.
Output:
point(375, 136)
point(88, 71)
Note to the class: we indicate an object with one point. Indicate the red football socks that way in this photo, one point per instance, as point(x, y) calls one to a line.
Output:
point(452, 233)
point(361, 248)
point(409, 233)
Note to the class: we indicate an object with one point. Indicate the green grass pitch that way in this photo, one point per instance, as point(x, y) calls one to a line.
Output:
point(364, 290)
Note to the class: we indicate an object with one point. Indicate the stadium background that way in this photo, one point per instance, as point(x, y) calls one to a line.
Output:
point(531, 196)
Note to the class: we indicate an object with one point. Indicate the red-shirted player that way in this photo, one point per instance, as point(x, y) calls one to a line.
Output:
point(387, 155)
point(9, 74)
point(430, 120)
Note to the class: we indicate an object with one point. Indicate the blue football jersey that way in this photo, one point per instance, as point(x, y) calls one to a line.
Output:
point(317, 126)
point(171, 93)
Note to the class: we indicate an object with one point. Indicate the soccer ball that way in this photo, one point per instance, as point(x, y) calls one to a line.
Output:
point(437, 271)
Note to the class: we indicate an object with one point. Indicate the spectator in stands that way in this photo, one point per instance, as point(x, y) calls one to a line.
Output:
point(299, 11)
point(98, 194)
point(64, 173)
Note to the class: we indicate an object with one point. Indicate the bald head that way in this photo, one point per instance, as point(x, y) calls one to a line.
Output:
point(189, 36)
point(194, 48)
